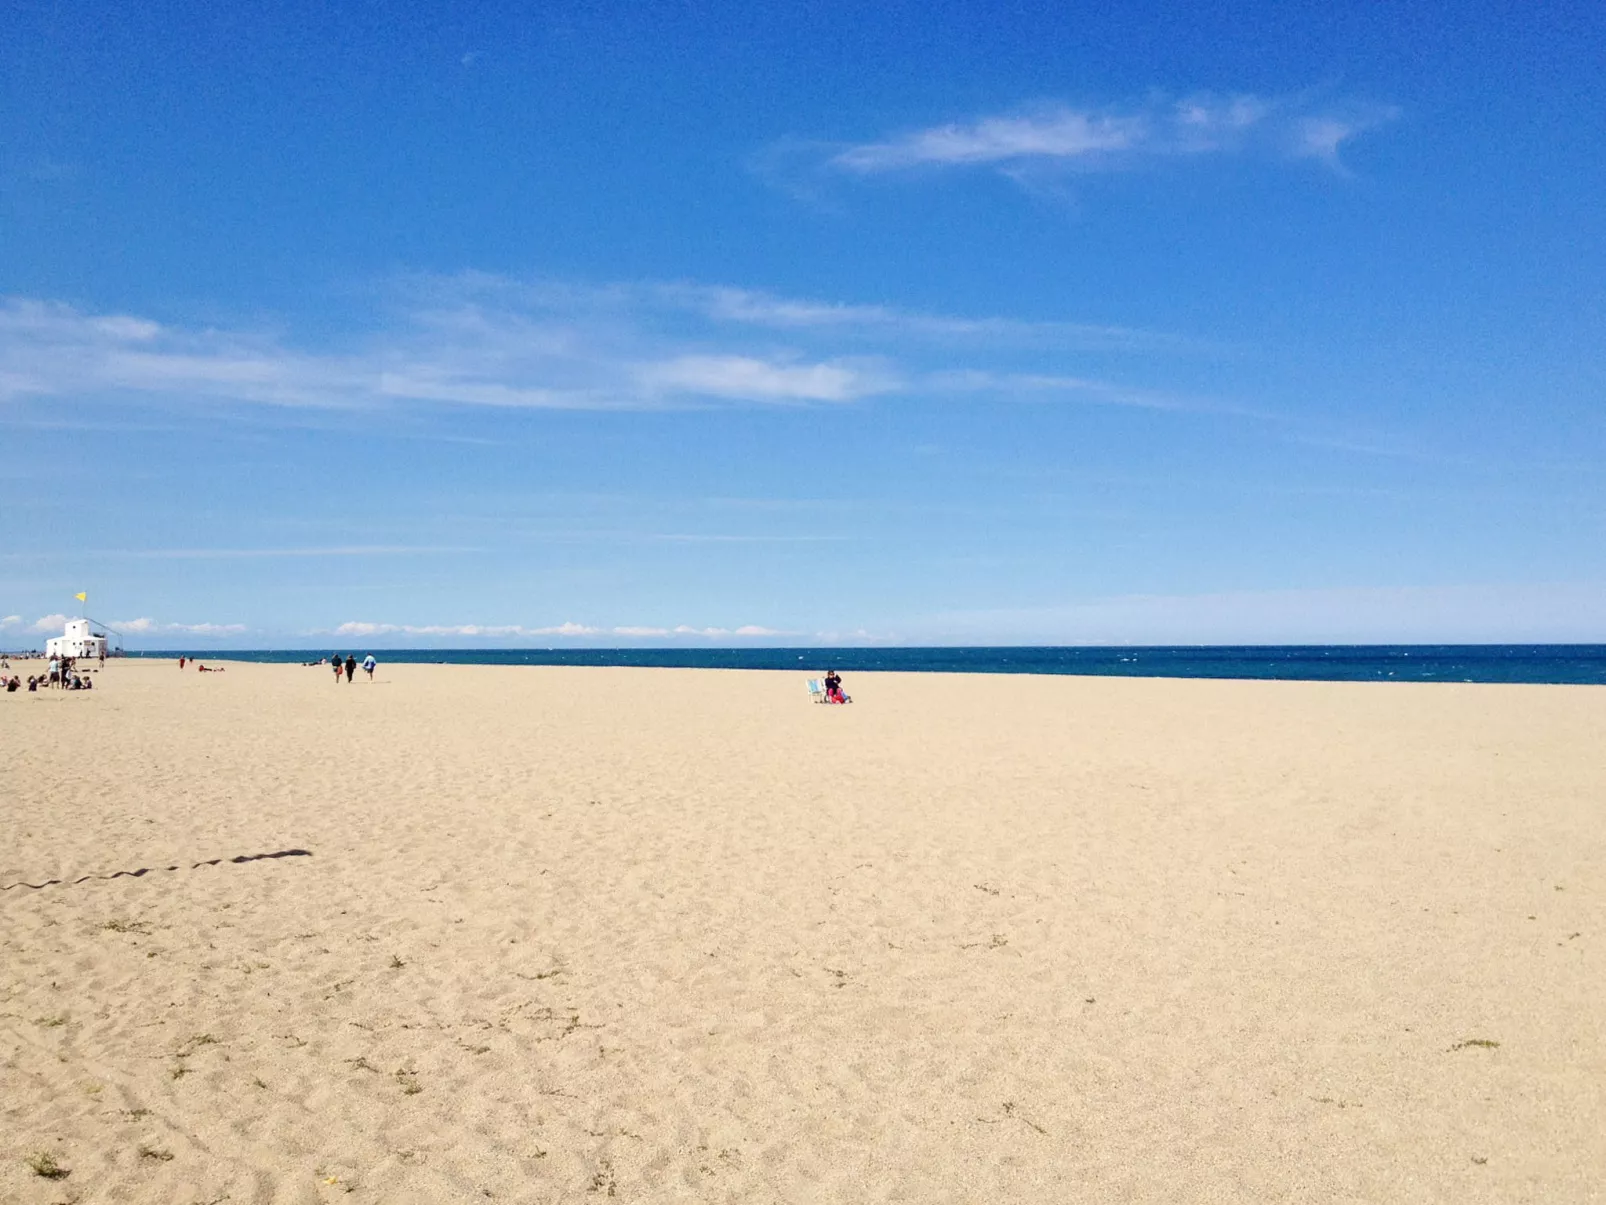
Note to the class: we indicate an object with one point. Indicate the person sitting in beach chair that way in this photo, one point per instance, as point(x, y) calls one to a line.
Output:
point(833, 688)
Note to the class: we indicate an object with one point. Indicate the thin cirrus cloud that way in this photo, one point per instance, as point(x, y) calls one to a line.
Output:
point(475, 340)
point(758, 308)
point(478, 298)
point(478, 355)
point(1091, 140)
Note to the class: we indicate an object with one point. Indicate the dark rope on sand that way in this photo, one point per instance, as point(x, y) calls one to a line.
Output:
point(144, 870)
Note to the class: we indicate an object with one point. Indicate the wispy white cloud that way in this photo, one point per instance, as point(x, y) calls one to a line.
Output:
point(756, 307)
point(1112, 139)
point(51, 349)
point(745, 377)
point(49, 625)
point(470, 356)
point(474, 340)
point(1053, 133)
point(11, 621)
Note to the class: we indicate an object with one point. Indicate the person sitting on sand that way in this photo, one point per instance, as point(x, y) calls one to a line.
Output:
point(33, 684)
point(12, 684)
point(833, 688)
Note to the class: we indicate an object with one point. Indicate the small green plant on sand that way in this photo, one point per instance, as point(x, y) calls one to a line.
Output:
point(1481, 1043)
point(44, 1164)
point(147, 1151)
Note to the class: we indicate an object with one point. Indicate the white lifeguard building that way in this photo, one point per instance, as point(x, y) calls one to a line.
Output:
point(77, 641)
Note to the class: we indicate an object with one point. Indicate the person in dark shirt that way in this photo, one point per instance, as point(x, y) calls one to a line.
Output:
point(351, 667)
point(833, 688)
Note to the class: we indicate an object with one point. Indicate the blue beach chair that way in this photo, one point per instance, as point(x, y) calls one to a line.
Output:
point(816, 690)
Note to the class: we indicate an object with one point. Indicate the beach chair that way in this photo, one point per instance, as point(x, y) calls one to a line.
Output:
point(816, 690)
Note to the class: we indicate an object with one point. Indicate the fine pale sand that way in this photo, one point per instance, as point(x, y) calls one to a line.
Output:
point(659, 935)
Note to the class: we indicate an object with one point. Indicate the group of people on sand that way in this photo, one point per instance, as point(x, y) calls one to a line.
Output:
point(349, 666)
point(205, 669)
point(62, 674)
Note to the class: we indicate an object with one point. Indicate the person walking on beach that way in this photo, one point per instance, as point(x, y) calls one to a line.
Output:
point(339, 665)
point(351, 666)
point(368, 663)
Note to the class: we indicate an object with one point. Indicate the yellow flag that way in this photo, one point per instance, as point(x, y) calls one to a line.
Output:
point(82, 597)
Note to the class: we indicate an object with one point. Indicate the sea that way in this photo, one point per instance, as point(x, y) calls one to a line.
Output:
point(1566, 664)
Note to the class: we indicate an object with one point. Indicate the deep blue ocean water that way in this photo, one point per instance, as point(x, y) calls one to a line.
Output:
point(1583, 664)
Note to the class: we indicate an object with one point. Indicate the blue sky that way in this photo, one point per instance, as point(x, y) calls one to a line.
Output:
point(611, 324)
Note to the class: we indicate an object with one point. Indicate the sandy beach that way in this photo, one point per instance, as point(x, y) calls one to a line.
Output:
point(568, 935)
